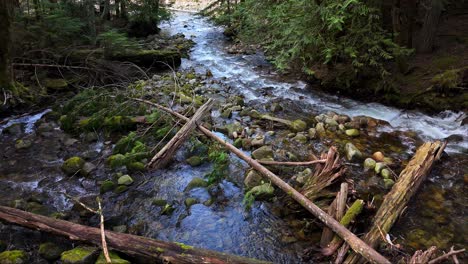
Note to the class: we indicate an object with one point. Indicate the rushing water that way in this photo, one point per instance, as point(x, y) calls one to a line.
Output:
point(250, 74)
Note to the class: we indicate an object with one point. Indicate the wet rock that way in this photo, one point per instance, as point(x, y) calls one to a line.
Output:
point(106, 186)
point(301, 138)
point(262, 192)
point(341, 127)
point(167, 210)
point(79, 255)
point(352, 132)
point(23, 143)
point(288, 239)
point(73, 165)
point(378, 156)
point(125, 180)
point(252, 179)
point(388, 183)
point(120, 189)
point(19, 204)
point(343, 119)
point(90, 154)
point(246, 143)
point(14, 257)
point(276, 107)
point(50, 251)
point(90, 137)
point(87, 168)
point(386, 174)
point(320, 128)
point(117, 160)
point(369, 164)
point(159, 202)
point(388, 161)
point(227, 113)
point(14, 130)
point(194, 161)
point(136, 166)
point(330, 122)
point(190, 201)
point(263, 153)
point(379, 166)
point(115, 259)
point(312, 133)
point(258, 141)
point(352, 151)
point(298, 125)
point(238, 143)
point(196, 183)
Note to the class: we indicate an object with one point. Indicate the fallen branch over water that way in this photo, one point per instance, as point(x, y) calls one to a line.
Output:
point(396, 200)
point(291, 163)
point(355, 243)
point(141, 247)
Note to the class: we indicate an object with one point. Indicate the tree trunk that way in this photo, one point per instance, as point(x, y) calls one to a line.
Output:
point(151, 250)
point(395, 201)
point(429, 12)
point(123, 9)
point(117, 8)
point(6, 10)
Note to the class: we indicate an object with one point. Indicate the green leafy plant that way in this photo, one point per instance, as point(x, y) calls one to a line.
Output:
point(220, 159)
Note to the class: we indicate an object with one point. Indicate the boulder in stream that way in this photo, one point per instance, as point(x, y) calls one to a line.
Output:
point(263, 153)
point(73, 165)
point(79, 255)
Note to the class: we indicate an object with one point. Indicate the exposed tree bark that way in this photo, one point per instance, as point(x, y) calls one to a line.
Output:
point(166, 153)
point(153, 251)
point(406, 186)
point(429, 12)
point(6, 10)
point(355, 243)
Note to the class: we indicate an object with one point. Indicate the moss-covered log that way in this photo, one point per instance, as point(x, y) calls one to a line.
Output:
point(150, 250)
point(396, 200)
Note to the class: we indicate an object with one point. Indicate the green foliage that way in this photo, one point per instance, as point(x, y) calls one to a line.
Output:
point(114, 41)
point(220, 159)
point(345, 36)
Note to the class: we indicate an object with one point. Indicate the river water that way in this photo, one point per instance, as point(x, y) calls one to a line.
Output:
point(435, 216)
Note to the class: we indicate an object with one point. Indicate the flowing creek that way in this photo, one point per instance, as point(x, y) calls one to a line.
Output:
point(436, 214)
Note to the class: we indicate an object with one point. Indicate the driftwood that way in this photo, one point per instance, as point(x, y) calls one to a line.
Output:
point(151, 250)
point(355, 243)
point(337, 210)
point(422, 256)
point(324, 175)
point(166, 153)
point(406, 186)
point(291, 163)
point(350, 215)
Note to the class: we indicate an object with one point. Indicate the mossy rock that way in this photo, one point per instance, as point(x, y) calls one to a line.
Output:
point(14, 257)
point(167, 210)
point(159, 202)
point(196, 183)
point(190, 201)
point(298, 125)
point(79, 255)
point(106, 186)
point(136, 166)
point(261, 192)
point(125, 180)
point(56, 84)
point(115, 259)
point(23, 144)
point(50, 251)
point(117, 160)
point(120, 189)
point(73, 165)
point(263, 153)
point(37, 208)
point(194, 161)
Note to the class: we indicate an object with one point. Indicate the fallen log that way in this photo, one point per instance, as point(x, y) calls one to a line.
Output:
point(167, 152)
point(406, 186)
point(337, 210)
point(355, 243)
point(151, 250)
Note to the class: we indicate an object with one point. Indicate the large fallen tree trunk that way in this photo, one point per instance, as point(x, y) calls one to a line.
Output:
point(167, 152)
point(153, 251)
point(406, 186)
point(355, 243)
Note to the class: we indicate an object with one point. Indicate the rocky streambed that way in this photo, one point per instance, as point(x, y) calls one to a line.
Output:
point(82, 149)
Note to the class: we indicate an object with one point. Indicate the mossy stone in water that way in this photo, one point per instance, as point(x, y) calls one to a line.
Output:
point(159, 202)
point(194, 161)
point(379, 166)
point(50, 251)
point(106, 186)
point(196, 183)
point(115, 259)
point(79, 255)
point(116, 161)
point(298, 125)
point(263, 153)
point(136, 166)
point(13, 257)
point(252, 179)
point(73, 165)
point(125, 180)
point(23, 144)
point(121, 189)
point(388, 183)
point(261, 192)
point(369, 164)
point(190, 201)
point(385, 173)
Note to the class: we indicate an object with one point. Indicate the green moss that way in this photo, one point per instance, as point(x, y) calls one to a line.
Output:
point(116, 160)
point(13, 257)
point(159, 202)
point(120, 189)
point(352, 212)
point(445, 62)
point(115, 259)
point(73, 165)
point(56, 84)
point(136, 166)
point(50, 251)
point(190, 201)
point(78, 255)
point(160, 250)
point(196, 183)
point(194, 161)
point(447, 80)
point(184, 246)
point(106, 186)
